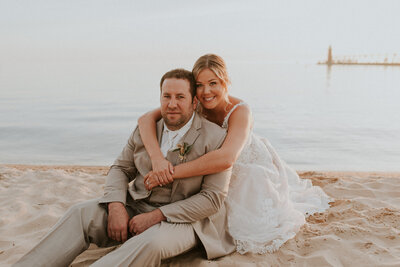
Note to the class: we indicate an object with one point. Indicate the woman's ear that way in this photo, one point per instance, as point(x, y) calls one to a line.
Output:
point(224, 85)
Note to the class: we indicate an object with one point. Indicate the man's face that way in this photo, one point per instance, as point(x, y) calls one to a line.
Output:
point(176, 103)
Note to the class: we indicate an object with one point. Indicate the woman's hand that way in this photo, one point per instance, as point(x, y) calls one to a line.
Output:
point(160, 175)
point(151, 180)
point(163, 169)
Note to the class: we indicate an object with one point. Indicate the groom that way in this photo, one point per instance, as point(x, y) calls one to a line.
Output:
point(157, 224)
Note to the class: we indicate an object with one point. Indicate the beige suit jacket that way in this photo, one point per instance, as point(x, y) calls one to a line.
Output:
point(196, 200)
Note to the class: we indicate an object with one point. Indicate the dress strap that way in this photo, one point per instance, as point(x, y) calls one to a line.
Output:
point(226, 119)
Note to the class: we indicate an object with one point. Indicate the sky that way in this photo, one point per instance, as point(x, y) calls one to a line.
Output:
point(124, 31)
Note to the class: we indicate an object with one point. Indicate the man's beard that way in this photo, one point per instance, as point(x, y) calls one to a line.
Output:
point(176, 124)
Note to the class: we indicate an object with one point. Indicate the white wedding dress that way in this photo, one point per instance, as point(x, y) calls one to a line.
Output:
point(267, 201)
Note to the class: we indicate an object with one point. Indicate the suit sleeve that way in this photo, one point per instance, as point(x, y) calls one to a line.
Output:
point(121, 172)
point(207, 202)
point(203, 204)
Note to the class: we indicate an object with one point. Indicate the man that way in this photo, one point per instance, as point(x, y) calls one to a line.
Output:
point(164, 222)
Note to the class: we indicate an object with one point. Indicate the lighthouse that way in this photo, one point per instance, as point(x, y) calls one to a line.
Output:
point(329, 61)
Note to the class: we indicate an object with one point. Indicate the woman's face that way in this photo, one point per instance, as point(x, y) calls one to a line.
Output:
point(210, 90)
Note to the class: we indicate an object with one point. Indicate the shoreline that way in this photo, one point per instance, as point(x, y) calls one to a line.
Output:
point(96, 168)
point(68, 168)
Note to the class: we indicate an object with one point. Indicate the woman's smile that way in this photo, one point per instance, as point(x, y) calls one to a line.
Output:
point(208, 99)
point(210, 90)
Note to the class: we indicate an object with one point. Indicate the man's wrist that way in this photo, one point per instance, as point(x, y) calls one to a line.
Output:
point(159, 216)
point(115, 205)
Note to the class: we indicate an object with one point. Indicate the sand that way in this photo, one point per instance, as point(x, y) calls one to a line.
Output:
point(361, 228)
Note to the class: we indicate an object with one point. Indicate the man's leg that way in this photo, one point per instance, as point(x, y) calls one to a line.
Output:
point(161, 241)
point(84, 223)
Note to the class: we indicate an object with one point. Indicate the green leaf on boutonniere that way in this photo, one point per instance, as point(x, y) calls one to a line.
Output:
point(183, 149)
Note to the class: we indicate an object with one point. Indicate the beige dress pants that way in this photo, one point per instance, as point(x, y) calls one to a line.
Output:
point(86, 223)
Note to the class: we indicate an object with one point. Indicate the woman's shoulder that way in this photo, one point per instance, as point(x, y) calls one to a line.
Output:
point(237, 102)
point(238, 106)
point(239, 111)
point(234, 100)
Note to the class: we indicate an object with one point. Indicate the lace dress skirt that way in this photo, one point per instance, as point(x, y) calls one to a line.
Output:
point(267, 201)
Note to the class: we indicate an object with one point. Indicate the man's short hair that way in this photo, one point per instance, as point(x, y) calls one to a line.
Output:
point(181, 74)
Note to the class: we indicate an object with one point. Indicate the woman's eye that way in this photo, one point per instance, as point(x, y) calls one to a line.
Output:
point(213, 83)
point(199, 86)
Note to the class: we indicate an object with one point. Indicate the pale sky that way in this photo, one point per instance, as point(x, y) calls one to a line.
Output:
point(114, 31)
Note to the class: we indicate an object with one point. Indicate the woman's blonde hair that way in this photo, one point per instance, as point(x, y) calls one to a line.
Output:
point(216, 64)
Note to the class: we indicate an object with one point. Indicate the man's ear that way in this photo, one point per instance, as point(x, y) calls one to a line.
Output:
point(195, 102)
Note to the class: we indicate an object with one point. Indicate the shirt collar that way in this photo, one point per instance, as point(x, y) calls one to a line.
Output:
point(183, 129)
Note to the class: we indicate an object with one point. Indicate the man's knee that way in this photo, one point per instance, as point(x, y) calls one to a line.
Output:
point(165, 244)
point(92, 218)
point(152, 237)
point(152, 240)
point(89, 212)
point(86, 207)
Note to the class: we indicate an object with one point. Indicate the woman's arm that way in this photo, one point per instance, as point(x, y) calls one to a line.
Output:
point(162, 167)
point(240, 123)
point(147, 124)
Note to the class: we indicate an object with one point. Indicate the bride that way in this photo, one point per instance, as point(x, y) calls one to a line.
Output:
point(267, 201)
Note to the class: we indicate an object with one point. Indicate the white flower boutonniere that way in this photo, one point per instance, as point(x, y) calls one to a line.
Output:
point(183, 149)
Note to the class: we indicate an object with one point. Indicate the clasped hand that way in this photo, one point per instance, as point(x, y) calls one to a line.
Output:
point(140, 223)
point(160, 175)
point(118, 221)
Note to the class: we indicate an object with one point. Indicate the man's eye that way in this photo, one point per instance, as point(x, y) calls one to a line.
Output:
point(181, 96)
point(167, 97)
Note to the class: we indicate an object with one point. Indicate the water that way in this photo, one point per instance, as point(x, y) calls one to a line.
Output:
point(342, 118)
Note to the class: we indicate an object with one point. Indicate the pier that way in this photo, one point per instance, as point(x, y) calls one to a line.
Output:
point(359, 60)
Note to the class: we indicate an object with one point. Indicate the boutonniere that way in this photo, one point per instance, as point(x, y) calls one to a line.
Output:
point(183, 150)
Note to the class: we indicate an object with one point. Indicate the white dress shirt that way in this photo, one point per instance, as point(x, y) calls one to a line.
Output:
point(170, 139)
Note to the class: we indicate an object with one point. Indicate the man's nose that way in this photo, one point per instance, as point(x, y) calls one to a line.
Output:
point(172, 103)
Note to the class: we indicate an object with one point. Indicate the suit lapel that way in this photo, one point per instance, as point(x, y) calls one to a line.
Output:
point(189, 138)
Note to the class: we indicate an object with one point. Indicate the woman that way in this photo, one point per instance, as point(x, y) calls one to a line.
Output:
point(267, 201)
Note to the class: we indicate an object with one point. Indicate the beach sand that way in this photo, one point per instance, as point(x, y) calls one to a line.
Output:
point(361, 228)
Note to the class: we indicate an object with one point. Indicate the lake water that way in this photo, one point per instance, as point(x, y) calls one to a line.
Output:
point(342, 118)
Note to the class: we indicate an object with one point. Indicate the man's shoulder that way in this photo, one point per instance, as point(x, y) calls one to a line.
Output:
point(213, 133)
point(135, 137)
point(211, 126)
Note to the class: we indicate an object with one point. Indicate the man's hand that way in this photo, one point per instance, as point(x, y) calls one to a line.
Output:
point(140, 223)
point(118, 219)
